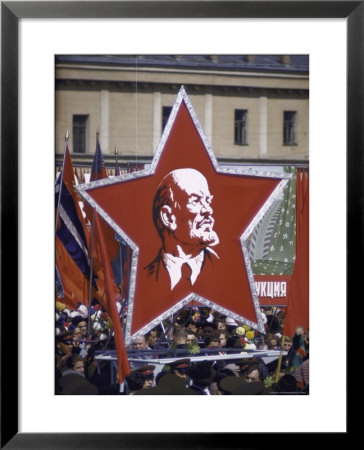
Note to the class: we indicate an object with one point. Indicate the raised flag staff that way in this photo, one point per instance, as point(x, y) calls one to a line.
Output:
point(280, 360)
point(117, 172)
point(98, 170)
point(95, 172)
point(91, 272)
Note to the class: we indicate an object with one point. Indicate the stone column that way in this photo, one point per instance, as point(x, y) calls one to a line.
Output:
point(157, 119)
point(104, 122)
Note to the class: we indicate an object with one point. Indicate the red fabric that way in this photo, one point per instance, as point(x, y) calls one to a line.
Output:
point(98, 270)
point(109, 303)
point(75, 284)
point(298, 299)
point(98, 173)
point(237, 200)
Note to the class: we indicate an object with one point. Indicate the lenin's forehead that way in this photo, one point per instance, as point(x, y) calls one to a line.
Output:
point(190, 181)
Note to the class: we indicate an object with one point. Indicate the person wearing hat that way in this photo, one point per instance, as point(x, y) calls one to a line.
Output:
point(223, 370)
point(202, 375)
point(64, 343)
point(148, 373)
point(135, 382)
point(286, 385)
point(64, 346)
point(180, 368)
point(232, 385)
point(235, 342)
point(169, 384)
point(231, 325)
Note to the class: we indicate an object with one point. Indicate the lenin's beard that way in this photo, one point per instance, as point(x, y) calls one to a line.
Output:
point(203, 232)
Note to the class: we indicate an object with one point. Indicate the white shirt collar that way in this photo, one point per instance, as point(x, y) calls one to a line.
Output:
point(174, 266)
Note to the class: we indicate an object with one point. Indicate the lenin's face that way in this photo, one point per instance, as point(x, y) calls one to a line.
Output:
point(193, 211)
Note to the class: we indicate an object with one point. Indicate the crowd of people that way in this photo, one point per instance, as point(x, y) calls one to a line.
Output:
point(207, 353)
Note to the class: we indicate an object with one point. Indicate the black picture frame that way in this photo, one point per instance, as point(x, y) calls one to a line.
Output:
point(11, 12)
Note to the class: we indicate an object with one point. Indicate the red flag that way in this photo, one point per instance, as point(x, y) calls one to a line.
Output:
point(75, 286)
point(109, 303)
point(298, 300)
point(72, 254)
point(98, 172)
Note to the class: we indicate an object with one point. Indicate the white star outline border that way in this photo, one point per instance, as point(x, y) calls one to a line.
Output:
point(82, 189)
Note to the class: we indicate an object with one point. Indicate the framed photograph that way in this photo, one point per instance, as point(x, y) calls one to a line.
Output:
point(32, 33)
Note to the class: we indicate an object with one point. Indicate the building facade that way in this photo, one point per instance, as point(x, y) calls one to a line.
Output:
point(252, 108)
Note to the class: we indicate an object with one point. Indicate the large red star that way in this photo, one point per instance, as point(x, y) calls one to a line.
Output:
point(240, 199)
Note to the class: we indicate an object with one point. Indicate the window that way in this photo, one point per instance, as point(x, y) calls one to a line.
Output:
point(240, 127)
point(79, 133)
point(166, 112)
point(289, 127)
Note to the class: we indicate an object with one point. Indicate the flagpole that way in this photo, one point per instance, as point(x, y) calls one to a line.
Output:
point(116, 160)
point(61, 175)
point(91, 256)
point(271, 322)
point(280, 359)
point(91, 270)
point(121, 281)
